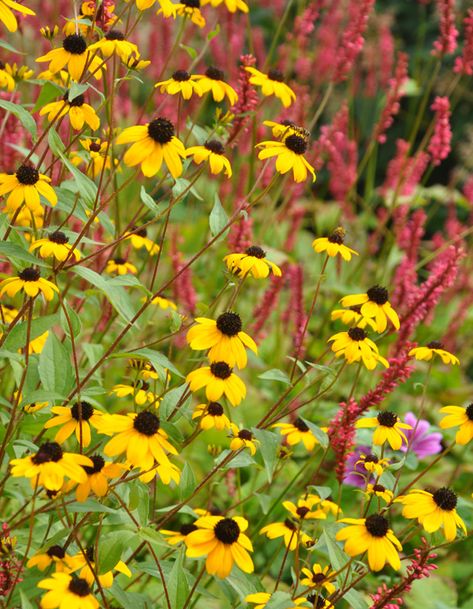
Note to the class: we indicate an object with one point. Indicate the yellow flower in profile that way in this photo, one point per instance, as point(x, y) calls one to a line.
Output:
point(175, 537)
point(289, 531)
point(139, 239)
point(334, 246)
point(211, 416)
point(7, 16)
point(25, 186)
point(388, 429)
point(223, 541)
point(290, 156)
point(66, 591)
point(135, 63)
point(182, 83)
point(252, 262)
point(142, 5)
point(164, 303)
point(7, 313)
point(213, 81)
point(459, 417)
point(213, 152)
point(272, 83)
point(18, 73)
point(35, 406)
point(97, 477)
point(75, 57)
point(242, 438)
point(37, 344)
point(75, 419)
point(352, 317)
point(434, 348)
point(372, 535)
point(304, 510)
point(153, 143)
point(218, 379)
point(120, 266)
point(78, 112)
point(433, 510)
point(319, 578)
point(30, 282)
point(232, 5)
point(114, 43)
point(55, 245)
point(55, 555)
point(355, 346)
point(378, 490)
point(6, 80)
point(298, 432)
point(99, 157)
point(374, 304)
point(87, 569)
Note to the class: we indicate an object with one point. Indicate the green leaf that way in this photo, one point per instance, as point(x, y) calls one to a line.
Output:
point(189, 50)
point(13, 252)
point(188, 482)
point(355, 599)
point(91, 505)
point(49, 91)
point(8, 47)
point(178, 587)
point(171, 399)
point(55, 369)
point(17, 337)
point(76, 89)
point(218, 218)
point(74, 319)
point(150, 535)
point(159, 360)
point(338, 558)
point(25, 603)
point(280, 600)
point(110, 549)
point(269, 449)
point(275, 375)
point(321, 436)
point(148, 200)
point(22, 115)
point(139, 500)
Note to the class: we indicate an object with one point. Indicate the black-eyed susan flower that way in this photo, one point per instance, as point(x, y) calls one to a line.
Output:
point(290, 155)
point(434, 348)
point(378, 490)
point(120, 266)
point(140, 391)
point(175, 537)
point(224, 338)
point(352, 317)
point(459, 417)
point(375, 305)
point(218, 379)
point(328, 505)
point(135, 63)
point(34, 406)
point(223, 541)
point(152, 144)
point(333, 245)
point(285, 128)
point(87, 569)
point(212, 152)
point(261, 599)
point(140, 240)
point(181, 83)
point(55, 555)
point(304, 510)
point(167, 473)
point(99, 158)
point(57, 246)
point(98, 476)
point(318, 577)
point(64, 590)
point(75, 419)
point(242, 438)
point(289, 531)
point(213, 81)
point(78, 112)
point(114, 43)
point(373, 464)
point(253, 262)
point(315, 599)
point(355, 346)
point(164, 303)
point(232, 5)
point(298, 432)
point(142, 5)
point(7, 313)
point(8, 17)
point(190, 9)
point(25, 186)
point(372, 535)
point(50, 465)
point(30, 282)
point(272, 83)
point(75, 57)
point(145, 369)
point(388, 429)
point(433, 511)
point(6, 80)
point(211, 415)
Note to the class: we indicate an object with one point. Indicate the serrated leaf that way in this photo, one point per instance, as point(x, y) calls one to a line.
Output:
point(275, 375)
point(55, 368)
point(269, 444)
point(22, 115)
point(218, 218)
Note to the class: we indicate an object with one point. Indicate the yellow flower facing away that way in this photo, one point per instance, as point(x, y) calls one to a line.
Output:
point(289, 156)
point(374, 305)
point(139, 240)
point(98, 476)
point(371, 535)
point(272, 83)
point(120, 266)
point(75, 57)
point(352, 317)
point(180, 83)
point(99, 157)
point(378, 490)
point(218, 379)
point(56, 246)
point(7, 313)
point(135, 63)
point(212, 416)
point(6, 80)
point(289, 531)
point(298, 432)
point(388, 429)
point(434, 348)
point(188, 9)
point(66, 591)
point(212, 152)
point(459, 417)
point(114, 43)
point(252, 262)
point(333, 245)
point(25, 186)
point(86, 573)
point(434, 511)
point(74, 419)
point(18, 73)
point(164, 303)
point(142, 5)
point(318, 577)
point(232, 5)
point(78, 112)
point(54, 555)
point(304, 510)
point(140, 391)
point(213, 81)
point(223, 541)
point(30, 282)
point(37, 344)
point(355, 346)
point(242, 438)
point(175, 537)
point(8, 17)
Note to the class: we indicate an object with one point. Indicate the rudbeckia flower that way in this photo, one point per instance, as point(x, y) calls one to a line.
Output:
point(30, 282)
point(114, 43)
point(285, 128)
point(76, 109)
point(55, 245)
point(374, 304)
point(352, 317)
point(232, 5)
point(218, 379)
point(242, 438)
point(66, 591)
point(140, 392)
point(261, 599)
point(164, 303)
point(289, 531)
point(7, 16)
point(224, 543)
point(167, 473)
point(55, 555)
point(378, 490)
point(190, 9)
point(6, 80)
point(253, 262)
point(224, 339)
point(290, 155)
point(333, 245)
point(433, 510)
point(139, 239)
point(372, 464)
point(372, 535)
point(434, 348)
point(7, 313)
point(175, 537)
point(25, 186)
point(142, 5)
point(153, 144)
point(135, 63)
point(180, 82)
point(74, 56)
point(50, 465)
point(75, 419)
point(99, 159)
point(298, 432)
point(214, 81)
point(97, 477)
point(355, 345)
point(144, 369)
point(388, 429)
point(120, 266)
point(211, 416)
point(212, 151)
point(319, 578)
point(272, 83)
point(37, 344)
point(459, 417)
point(304, 510)
point(86, 573)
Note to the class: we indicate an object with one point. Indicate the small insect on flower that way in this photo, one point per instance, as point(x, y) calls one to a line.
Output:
point(87, 569)
point(434, 348)
point(378, 490)
point(459, 417)
point(242, 438)
point(97, 477)
point(25, 186)
point(213, 152)
point(65, 590)
point(319, 578)
point(56, 555)
point(253, 262)
point(289, 531)
point(8, 17)
point(30, 282)
point(374, 305)
point(75, 419)
point(214, 81)
point(333, 245)
point(120, 266)
point(223, 541)
point(372, 535)
point(153, 143)
point(272, 83)
point(388, 429)
point(181, 82)
point(211, 415)
point(433, 510)
point(298, 432)
point(78, 112)
point(6, 80)
point(232, 5)
point(75, 57)
point(140, 240)
point(57, 246)
point(355, 346)
point(114, 43)
point(290, 156)
point(218, 379)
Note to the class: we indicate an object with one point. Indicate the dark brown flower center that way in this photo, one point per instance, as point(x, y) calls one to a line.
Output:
point(215, 146)
point(296, 143)
point(89, 552)
point(277, 75)
point(74, 44)
point(387, 419)
point(371, 459)
point(317, 600)
point(221, 370)
point(289, 524)
point(94, 147)
point(318, 578)
point(79, 587)
point(215, 409)
point(191, 3)
point(300, 425)
point(214, 73)
point(245, 434)
point(302, 511)
point(469, 412)
point(82, 411)
point(98, 464)
point(142, 232)
point(47, 452)
point(357, 334)
point(27, 175)
point(114, 35)
point(187, 528)
point(435, 344)
point(181, 76)
point(58, 237)
point(77, 102)
point(445, 498)
point(161, 130)
point(146, 423)
point(229, 323)
point(379, 488)
point(255, 251)
point(378, 294)
point(29, 274)
point(337, 236)
point(55, 552)
point(227, 531)
point(119, 261)
point(2, 65)
point(377, 525)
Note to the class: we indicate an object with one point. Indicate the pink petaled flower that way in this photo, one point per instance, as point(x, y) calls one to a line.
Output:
point(386, 52)
point(392, 106)
point(295, 308)
point(440, 142)
point(464, 64)
point(240, 236)
point(447, 41)
point(327, 37)
point(247, 97)
point(183, 290)
point(268, 304)
point(12, 134)
point(404, 173)
point(10, 567)
point(341, 433)
point(420, 440)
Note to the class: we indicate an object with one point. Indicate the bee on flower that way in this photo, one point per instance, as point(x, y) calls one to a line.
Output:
point(272, 83)
point(434, 348)
point(213, 81)
point(181, 82)
point(25, 186)
point(374, 305)
point(75, 56)
point(286, 127)
point(461, 418)
point(252, 262)
point(120, 266)
point(78, 112)
point(212, 152)
point(75, 419)
point(289, 155)
point(211, 415)
point(333, 245)
point(30, 282)
point(56, 246)
point(242, 438)
point(355, 346)
point(298, 432)
point(218, 379)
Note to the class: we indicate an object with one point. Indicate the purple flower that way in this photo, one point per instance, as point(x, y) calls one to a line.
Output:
point(356, 473)
point(420, 441)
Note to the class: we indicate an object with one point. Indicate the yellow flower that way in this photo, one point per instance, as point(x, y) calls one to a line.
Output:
point(213, 81)
point(355, 346)
point(135, 63)
point(375, 305)
point(459, 417)
point(352, 317)
point(97, 477)
point(211, 416)
point(34, 406)
point(333, 245)
point(99, 159)
point(175, 537)
point(163, 303)
point(212, 151)
point(120, 266)
point(190, 9)
point(114, 43)
point(290, 155)
point(373, 464)
point(141, 392)
point(434, 348)
point(433, 510)
point(154, 143)
point(49, 33)
point(55, 245)
point(144, 369)
point(86, 573)
point(37, 344)
point(55, 555)
point(289, 531)
point(76, 419)
point(224, 543)
point(218, 379)
point(25, 186)
point(167, 472)
point(76, 109)
point(298, 432)
point(139, 239)
point(287, 127)
point(232, 5)
point(253, 262)
point(18, 73)
point(242, 438)
point(30, 282)
point(379, 491)
point(144, 4)
point(305, 508)
point(8, 18)
point(75, 56)
point(372, 535)
point(7, 313)
point(66, 591)
point(272, 83)
point(318, 578)
point(6, 80)
point(388, 429)
point(180, 82)
point(261, 599)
